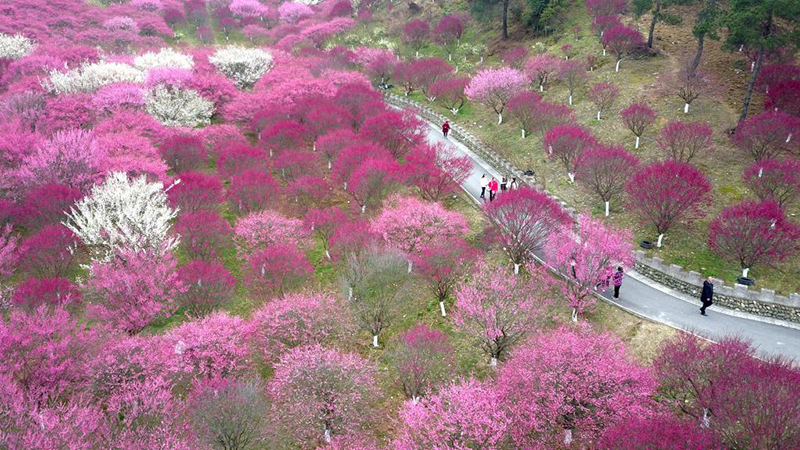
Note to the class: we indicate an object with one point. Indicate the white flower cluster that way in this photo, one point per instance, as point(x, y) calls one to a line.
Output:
point(123, 213)
point(243, 65)
point(90, 77)
point(175, 107)
point(166, 57)
point(14, 47)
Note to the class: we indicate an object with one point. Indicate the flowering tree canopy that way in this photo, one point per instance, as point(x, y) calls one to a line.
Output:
point(494, 88)
point(682, 141)
point(775, 180)
point(245, 66)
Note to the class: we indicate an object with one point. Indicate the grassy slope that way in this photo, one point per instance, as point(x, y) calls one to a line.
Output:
point(638, 80)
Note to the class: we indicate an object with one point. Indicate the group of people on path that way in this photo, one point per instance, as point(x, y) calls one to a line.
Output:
point(493, 186)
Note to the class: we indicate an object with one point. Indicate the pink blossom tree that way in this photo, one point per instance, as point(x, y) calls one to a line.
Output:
point(46, 353)
point(450, 93)
point(515, 56)
point(663, 432)
point(251, 190)
point(66, 158)
point(437, 171)
point(783, 97)
point(597, 8)
point(46, 204)
point(321, 394)
point(203, 234)
point(9, 253)
point(237, 158)
point(688, 84)
point(768, 135)
point(549, 115)
point(208, 285)
point(408, 224)
point(775, 180)
point(521, 220)
point(622, 41)
point(638, 117)
point(213, 346)
point(604, 170)
point(448, 33)
point(332, 143)
point(540, 68)
point(351, 237)
point(498, 309)
point(196, 191)
point(293, 321)
point(184, 153)
point(522, 107)
point(573, 74)
point(276, 270)
point(568, 382)
point(567, 143)
point(753, 233)
point(443, 264)
point(493, 88)
point(293, 12)
point(383, 68)
point(463, 415)
point(397, 132)
point(668, 193)
point(588, 256)
point(416, 34)
point(422, 74)
point(603, 95)
point(423, 360)
point(372, 180)
point(723, 387)
point(133, 289)
point(682, 141)
point(323, 223)
point(34, 293)
point(50, 252)
point(375, 280)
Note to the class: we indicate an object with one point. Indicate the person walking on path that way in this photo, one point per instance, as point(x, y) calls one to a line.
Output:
point(445, 128)
point(707, 295)
point(484, 185)
point(503, 184)
point(513, 184)
point(617, 279)
point(492, 189)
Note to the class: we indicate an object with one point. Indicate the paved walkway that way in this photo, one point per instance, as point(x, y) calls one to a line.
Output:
point(645, 298)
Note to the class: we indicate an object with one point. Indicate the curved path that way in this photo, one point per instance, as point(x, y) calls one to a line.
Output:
point(647, 299)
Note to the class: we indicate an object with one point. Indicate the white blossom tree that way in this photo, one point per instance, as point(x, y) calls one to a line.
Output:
point(166, 57)
point(243, 65)
point(90, 77)
point(123, 213)
point(14, 47)
point(176, 107)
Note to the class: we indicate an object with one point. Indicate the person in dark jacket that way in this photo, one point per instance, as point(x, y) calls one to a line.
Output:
point(445, 128)
point(707, 295)
point(617, 278)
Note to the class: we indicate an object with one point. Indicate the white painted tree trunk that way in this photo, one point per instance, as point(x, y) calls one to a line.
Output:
point(330, 164)
point(567, 437)
point(541, 88)
point(604, 52)
point(417, 55)
point(617, 69)
point(454, 110)
point(571, 177)
point(441, 307)
point(327, 436)
point(414, 399)
point(481, 59)
point(788, 138)
point(455, 70)
point(566, 58)
point(449, 56)
point(375, 341)
point(745, 271)
point(350, 294)
point(516, 269)
point(752, 66)
point(686, 108)
point(760, 172)
point(523, 133)
point(574, 314)
point(493, 362)
point(637, 142)
point(500, 118)
point(591, 69)
point(410, 265)
point(570, 100)
point(598, 115)
point(270, 153)
point(741, 47)
point(363, 209)
point(608, 208)
point(705, 422)
point(345, 185)
point(660, 240)
point(327, 255)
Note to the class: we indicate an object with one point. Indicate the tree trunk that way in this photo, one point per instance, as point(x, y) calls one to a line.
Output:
point(505, 19)
point(660, 239)
point(375, 341)
point(656, 13)
point(608, 208)
point(441, 306)
point(637, 142)
point(696, 62)
point(574, 314)
point(750, 85)
point(516, 269)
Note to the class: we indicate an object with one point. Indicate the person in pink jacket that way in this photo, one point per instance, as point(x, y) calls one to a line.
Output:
point(493, 186)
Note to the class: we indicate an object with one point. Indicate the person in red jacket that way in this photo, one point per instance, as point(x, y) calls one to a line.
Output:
point(493, 186)
point(445, 128)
